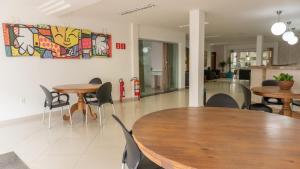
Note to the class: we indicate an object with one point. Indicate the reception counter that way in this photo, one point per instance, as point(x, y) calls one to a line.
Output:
point(260, 73)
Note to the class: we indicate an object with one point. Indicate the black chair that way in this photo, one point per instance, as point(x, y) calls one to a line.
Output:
point(132, 156)
point(93, 81)
point(269, 100)
point(54, 100)
point(257, 106)
point(103, 96)
point(244, 74)
point(296, 103)
point(222, 100)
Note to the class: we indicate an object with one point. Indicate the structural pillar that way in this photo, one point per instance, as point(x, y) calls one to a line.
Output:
point(134, 52)
point(197, 38)
point(259, 50)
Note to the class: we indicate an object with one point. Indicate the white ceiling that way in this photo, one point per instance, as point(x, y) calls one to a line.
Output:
point(230, 20)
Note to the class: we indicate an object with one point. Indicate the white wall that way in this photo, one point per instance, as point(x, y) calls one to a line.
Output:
point(21, 76)
point(219, 49)
point(288, 54)
point(167, 35)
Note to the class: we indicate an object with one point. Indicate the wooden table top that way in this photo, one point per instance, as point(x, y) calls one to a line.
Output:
point(274, 91)
point(219, 138)
point(77, 88)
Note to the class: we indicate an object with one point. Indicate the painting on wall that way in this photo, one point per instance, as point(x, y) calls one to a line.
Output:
point(55, 42)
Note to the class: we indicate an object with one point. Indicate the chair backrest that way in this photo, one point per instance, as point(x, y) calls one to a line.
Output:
point(270, 83)
point(247, 97)
point(103, 94)
point(49, 97)
point(222, 100)
point(95, 81)
point(262, 108)
point(133, 153)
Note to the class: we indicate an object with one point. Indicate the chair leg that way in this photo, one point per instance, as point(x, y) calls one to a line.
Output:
point(50, 112)
point(100, 115)
point(61, 111)
point(86, 113)
point(113, 107)
point(44, 114)
point(71, 122)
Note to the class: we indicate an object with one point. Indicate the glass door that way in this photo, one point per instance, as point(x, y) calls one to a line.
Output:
point(158, 67)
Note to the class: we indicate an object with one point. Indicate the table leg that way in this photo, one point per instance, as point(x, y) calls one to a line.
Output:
point(80, 106)
point(286, 107)
point(92, 114)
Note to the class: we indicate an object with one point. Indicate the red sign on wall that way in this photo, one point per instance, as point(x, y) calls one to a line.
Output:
point(120, 45)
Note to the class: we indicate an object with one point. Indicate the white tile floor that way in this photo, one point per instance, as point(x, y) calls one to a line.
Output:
point(90, 147)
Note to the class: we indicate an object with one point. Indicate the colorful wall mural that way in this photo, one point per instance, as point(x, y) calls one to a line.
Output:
point(55, 42)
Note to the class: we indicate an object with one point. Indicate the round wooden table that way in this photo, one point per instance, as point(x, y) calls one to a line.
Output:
point(80, 90)
point(219, 138)
point(274, 92)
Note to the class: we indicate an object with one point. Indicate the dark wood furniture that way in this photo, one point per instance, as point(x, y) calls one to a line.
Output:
point(274, 92)
point(80, 90)
point(219, 138)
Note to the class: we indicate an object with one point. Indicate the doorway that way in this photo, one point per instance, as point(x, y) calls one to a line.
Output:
point(158, 63)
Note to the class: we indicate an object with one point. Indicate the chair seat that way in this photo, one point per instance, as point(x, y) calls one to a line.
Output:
point(272, 101)
point(93, 102)
point(296, 102)
point(90, 95)
point(60, 103)
point(261, 107)
point(145, 163)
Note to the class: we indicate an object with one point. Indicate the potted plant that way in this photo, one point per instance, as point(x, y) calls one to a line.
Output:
point(222, 65)
point(286, 81)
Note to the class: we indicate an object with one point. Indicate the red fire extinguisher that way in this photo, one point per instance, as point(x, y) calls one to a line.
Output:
point(122, 89)
point(136, 87)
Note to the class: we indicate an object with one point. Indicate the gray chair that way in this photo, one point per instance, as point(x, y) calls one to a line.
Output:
point(222, 100)
point(296, 103)
point(103, 96)
point(93, 95)
point(247, 102)
point(132, 156)
point(54, 100)
point(269, 100)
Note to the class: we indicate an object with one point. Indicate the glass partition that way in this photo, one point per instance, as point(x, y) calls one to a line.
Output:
point(158, 63)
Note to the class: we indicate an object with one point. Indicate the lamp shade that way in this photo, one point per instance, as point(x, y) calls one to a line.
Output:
point(293, 41)
point(145, 50)
point(287, 36)
point(278, 28)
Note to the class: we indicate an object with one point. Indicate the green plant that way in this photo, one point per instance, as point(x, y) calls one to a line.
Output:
point(284, 77)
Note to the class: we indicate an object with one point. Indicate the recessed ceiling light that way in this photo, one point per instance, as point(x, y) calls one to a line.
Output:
point(65, 6)
point(54, 6)
point(49, 3)
point(187, 25)
point(129, 11)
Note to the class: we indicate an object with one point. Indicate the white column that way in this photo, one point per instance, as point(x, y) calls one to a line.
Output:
point(259, 49)
point(197, 37)
point(134, 53)
point(134, 50)
point(275, 54)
